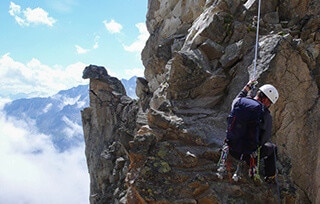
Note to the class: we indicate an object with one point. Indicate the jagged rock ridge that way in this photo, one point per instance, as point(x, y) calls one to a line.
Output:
point(163, 148)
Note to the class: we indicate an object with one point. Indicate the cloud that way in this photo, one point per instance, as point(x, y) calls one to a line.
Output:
point(112, 26)
point(30, 16)
point(38, 16)
point(14, 9)
point(140, 42)
point(96, 45)
point(81, 50)
point(96, 42)
point(37, 79)
point(32, 171)
point(72, 129)
point(135, 72)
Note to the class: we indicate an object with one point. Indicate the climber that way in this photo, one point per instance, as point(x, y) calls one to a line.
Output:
point(254, 139)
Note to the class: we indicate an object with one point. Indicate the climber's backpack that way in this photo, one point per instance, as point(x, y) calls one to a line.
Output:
point(243, 125)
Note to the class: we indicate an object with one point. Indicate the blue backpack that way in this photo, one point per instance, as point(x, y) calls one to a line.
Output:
point(243, 130)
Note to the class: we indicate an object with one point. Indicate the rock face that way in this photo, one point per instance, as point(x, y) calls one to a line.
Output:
point(164, 147)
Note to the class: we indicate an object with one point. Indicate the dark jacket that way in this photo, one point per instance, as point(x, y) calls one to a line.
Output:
point(266, 126)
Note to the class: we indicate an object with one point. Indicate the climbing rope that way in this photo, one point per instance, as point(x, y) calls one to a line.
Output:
point(256, 175)
point(257, 42)
point(254, 165)
point(256, 49)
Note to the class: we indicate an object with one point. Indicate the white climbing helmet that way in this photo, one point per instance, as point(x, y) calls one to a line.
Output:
point(270, 91)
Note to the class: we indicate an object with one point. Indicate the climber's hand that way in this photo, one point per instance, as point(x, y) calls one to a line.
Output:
point(250, 85)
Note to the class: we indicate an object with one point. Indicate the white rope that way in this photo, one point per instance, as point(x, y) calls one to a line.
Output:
point(257, 42)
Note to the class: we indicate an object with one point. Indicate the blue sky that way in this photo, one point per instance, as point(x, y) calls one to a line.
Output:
point(45, 44)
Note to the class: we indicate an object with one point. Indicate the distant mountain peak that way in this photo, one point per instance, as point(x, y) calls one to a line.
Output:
point(59, 115)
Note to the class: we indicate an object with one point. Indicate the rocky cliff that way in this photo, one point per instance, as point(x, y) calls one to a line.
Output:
point(164, 147)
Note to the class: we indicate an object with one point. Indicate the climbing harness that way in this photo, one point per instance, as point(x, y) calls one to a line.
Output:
point(223, 168)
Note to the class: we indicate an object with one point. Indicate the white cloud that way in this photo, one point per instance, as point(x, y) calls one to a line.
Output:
point(112, 26)
point(32, 171)
point(38, 16)
point(14, 9)
point(47, 108)
point(30, 16)
point(65, 101)
point(72, 128)
point(140, 42)
point(37, 79)
point(96, 45)
point(135, 72)
point(81, 50)
point(3, 101)
point(96, 42)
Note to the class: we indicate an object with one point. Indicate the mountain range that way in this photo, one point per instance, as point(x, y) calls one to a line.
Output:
point(59, 116)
